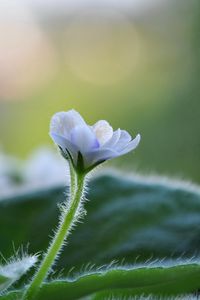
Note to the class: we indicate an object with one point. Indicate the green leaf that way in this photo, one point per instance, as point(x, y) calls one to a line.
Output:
point(14, 269)
point(126, 282)
point(123, 282)
point(127, 217)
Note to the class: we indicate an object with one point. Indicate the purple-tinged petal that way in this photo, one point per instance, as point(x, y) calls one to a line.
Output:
point(113, 140)
point(65, 144)
point(131, 145)
point(84, 138)
point(99, 155)
point(62, 123)
point(124, 139)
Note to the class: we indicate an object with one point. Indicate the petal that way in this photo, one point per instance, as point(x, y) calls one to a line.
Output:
point(131, 145)
point(84, 138)
point(103, 131)
point(98, 156)
point(62, 123)
point(65, 144)
point(124, 139)
point(114, 139)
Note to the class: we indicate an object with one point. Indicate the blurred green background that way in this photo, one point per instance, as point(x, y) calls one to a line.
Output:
point(134, 63)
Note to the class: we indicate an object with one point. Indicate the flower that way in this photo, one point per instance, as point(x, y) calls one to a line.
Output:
point(88, 146)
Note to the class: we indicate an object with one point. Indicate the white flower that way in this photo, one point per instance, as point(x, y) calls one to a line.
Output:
point(88, 146)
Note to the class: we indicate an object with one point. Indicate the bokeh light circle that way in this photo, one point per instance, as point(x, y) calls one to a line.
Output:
point(101, 46)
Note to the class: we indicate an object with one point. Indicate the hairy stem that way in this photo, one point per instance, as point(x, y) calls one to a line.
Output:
point(67, 221)
point(73, 180)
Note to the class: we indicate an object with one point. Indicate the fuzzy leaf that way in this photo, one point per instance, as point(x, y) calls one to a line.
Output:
point(127, 217)
point(123, 283)
point(126, 282)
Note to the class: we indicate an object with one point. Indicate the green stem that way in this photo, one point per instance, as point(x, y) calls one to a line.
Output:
point(73, 180)
point(60, 236)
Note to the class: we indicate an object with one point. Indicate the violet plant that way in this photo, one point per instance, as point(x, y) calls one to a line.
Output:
point(85, 147)
point(140, 241)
